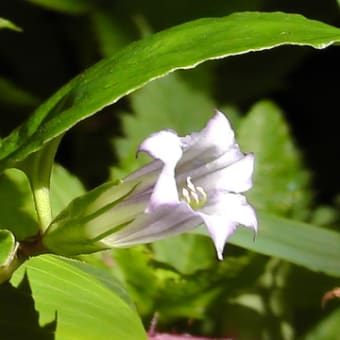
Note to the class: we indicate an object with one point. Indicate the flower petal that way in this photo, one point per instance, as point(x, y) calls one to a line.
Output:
point(220, 230)
point(165, 189)
point(152, 168)
point(214, 140)
point(164, 146)
point(235, 178)
point(167, 220)
point(233, 207)
point(223, 213)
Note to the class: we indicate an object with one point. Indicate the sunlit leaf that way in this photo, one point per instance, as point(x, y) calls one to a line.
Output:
point(16, 201)
point(183, 46)
point(64, 188)
point(81, 305)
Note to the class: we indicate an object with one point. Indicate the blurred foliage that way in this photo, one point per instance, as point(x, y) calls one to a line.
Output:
point(280, 181)
point(283, 104)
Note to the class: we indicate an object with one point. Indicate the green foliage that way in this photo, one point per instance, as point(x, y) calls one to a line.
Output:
point(12, 96)
point(280, 181)
point(78, 301)
point(326, 329)
point(4, 23)
point(64, 188)
point(154, 57)
point(295, 242)
point(7, 241)
point(260, 290)
point(67, 6)
point(17, 208)
point(192, 253)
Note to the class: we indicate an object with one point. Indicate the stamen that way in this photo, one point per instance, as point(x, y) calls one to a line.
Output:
point(186, 195)
point(196, 197)
point(190, 185)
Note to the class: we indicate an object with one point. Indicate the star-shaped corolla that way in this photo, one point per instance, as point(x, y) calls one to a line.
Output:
point(193, 180)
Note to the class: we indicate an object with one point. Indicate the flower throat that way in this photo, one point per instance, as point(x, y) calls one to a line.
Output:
point(195, 196)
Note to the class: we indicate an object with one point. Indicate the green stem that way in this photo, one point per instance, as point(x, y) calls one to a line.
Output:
point(38, 168)
point(7, 271)
point(22, 252)
point(41, 195)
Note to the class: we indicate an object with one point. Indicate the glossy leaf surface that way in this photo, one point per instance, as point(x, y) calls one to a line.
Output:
point(180, 47)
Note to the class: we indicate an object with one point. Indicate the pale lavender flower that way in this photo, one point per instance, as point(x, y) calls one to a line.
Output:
point(194, 180)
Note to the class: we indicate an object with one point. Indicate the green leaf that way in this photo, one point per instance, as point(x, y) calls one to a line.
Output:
point(80, 304)
point(280, 181)
point(15, 97)
point(180, 47)
point(104, 276)
point(192, 253)
point(134, 268)
point(328, 328)
point(67, 6)
point(64, 188)
point(4, 23)
point(17, 212)
point(315, 248)
point(110, 32)
point(7, 246)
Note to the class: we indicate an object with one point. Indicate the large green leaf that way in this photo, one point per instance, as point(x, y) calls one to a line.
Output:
point(82, 305)
point(16, 203)
point(280, 180)
point(316, 248)
point(183, 46)
point(65, 187)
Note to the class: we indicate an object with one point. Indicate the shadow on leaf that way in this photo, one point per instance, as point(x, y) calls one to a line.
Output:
point(18, 317)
